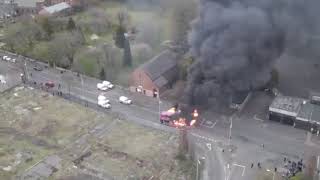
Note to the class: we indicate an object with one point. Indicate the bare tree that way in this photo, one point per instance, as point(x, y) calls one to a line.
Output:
point(64, 46)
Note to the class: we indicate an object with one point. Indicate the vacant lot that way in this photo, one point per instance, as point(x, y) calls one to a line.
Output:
point(35, 125)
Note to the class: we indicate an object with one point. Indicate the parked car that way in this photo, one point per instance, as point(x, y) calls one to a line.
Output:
point(125, 100)
point(103, 98)
point(108, 84)
point(37, 68)
point(49, 84)
point(4, 57)
point(13, 60)
point(102, 87)
point(103, 102)
point(8, 59)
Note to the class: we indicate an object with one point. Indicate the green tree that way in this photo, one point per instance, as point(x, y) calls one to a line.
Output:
point(21, 37)
point(46, 25)
point(102, 74)
point(71, 24)
point(127, 57)
point(120, 37)
point(121, 30)
point(64, 46)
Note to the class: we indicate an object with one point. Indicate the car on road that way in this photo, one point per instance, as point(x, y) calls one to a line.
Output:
point(4, 57)
point(37, 68)
point(49, 84)
point(102, 87)
point(104, 102)
point(13, 60)
point(2, 80)
point(125, 100)
point(105, 85)
point(108, 84)
point(8, 59)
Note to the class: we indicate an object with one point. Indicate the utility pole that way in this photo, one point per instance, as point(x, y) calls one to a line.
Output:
point(82, 90)
point(230, 130)
point(159, 103)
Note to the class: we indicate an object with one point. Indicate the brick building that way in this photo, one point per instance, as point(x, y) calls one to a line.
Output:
point(155, 76)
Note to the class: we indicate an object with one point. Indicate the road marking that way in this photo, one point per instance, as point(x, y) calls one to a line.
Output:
point(205, 138)
point(243, 168)
point(209, 146)
point(257, 119)
point(208, 124)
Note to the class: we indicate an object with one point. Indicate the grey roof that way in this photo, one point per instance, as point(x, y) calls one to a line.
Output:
point(160, 64)
point(286, 105)
point(309, 112)
point(57, 7)
point(27, 3)
point(161, 81)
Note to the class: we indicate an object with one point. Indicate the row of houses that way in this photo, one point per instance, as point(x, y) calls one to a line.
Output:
point(298, 112)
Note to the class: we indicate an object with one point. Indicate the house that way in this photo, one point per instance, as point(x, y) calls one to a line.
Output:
point(28, 6)
point(61, 8)
point(7, 11)
point(70, 2)
point(301, 113)
point(284, 109)
point(155, 76)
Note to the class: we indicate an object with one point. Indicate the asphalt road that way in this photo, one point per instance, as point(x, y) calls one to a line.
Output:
point(249, 130)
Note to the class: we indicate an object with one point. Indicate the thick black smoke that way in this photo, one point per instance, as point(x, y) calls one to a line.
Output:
point(234, 44)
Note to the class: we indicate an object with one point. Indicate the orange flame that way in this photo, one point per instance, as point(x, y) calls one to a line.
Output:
point(195, 113)
point(193, 122)
point(180, 123)
point(172, 110)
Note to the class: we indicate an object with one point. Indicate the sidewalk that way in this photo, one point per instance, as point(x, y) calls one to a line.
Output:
point(313, 140)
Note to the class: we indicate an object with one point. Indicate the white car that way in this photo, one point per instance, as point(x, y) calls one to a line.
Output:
point(108, 84)
point(125, 100)
point(2, 80)
point(8, 59)
point(104, 104)
point(102, 87)
point(4, 57)
point(103, 98)
point(13, 60)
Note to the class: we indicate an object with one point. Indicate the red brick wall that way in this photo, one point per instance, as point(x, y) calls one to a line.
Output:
point(140, 78)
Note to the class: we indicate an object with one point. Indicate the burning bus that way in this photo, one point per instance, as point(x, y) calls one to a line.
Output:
point(179, 117)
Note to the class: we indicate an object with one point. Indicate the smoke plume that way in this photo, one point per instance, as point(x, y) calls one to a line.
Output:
point(234, 44)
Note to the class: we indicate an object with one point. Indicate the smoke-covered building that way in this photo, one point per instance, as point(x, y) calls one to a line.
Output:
point(155, 76)
point(298, 112)
point(285, 109)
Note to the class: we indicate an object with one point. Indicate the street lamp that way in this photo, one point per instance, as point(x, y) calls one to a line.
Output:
point(273, 174)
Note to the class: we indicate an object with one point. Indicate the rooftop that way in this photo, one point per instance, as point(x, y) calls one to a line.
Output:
point(286, 105)
point(160, 64)
point(309, 112)
point(27, 3)
point(57, 7)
